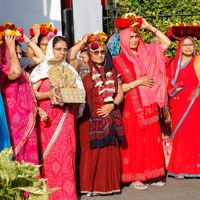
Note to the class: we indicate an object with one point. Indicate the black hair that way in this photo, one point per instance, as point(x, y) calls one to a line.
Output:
point(57, 39)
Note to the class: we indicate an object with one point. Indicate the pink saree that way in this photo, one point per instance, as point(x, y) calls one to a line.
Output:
point(21, 109)
point(57, 143)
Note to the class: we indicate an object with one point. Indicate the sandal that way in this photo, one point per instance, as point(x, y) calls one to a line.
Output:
point(138, 185)
point(159, 183)
point(179, 177)
point(91, 194)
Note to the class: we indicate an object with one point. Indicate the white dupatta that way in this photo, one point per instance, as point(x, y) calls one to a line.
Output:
point(40, 72)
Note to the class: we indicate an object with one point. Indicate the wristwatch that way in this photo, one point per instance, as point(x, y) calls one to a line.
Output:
point(115, 105)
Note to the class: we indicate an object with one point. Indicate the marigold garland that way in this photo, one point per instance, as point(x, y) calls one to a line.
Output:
point(10, 28)
point(107, 90)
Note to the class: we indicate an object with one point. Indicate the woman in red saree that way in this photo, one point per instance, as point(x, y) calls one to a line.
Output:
point(144, 83)
point(21, 110)
point(100, 128)
point(57, 134)
point(183, 82)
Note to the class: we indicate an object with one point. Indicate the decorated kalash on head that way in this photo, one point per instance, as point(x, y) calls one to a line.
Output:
point(41, 35)
point(183, 75)
point(8, 28)
point(128, 20)
point(143, 74)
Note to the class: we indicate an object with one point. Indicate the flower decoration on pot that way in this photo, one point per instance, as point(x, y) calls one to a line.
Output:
point(45, 29)
point(12, 29)
point(128, 20)
point(177, 31)
point(97, 39)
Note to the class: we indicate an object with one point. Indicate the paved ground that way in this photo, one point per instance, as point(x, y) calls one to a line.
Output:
point(187, 189)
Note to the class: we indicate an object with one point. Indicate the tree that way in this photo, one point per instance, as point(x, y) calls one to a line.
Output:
point(162, 14)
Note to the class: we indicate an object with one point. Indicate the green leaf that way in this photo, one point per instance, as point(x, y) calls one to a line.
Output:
point(17, 178)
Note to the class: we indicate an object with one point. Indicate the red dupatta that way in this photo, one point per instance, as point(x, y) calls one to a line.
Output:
point(149, 61)
point(174, 68)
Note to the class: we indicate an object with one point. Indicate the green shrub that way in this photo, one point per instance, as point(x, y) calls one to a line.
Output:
point(162, 14)
point(19, 181)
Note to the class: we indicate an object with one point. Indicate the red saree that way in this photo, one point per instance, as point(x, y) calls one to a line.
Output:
point(142, 153)
point(57, 143)
point(99, 168)
point(185, 157)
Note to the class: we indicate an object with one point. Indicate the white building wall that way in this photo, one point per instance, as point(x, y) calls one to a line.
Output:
point(87, 17)
point(25, 13)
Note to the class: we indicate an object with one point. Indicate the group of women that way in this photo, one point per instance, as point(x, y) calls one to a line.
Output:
point(115, 137)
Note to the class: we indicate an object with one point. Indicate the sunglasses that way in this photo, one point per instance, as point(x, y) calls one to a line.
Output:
point(96, 53)
point(61, 49)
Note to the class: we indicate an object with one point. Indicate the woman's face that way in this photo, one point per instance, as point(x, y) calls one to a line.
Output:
point(98, 55)
point(19, 51)
point(187, 47)
point(60, 50)
point(43, 44)
point(134, 39)
point(84, 56)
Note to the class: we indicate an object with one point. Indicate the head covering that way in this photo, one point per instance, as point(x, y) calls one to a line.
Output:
point(4, 62)
point(40, 72)
point(174, 70)
point(114, 44)
point(149, 61)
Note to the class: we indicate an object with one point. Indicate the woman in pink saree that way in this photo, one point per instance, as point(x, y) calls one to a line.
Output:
point(13, 73)
point(57, 134)
point(21, 110)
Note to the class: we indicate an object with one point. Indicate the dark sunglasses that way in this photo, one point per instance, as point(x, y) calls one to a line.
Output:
point(96, 53)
